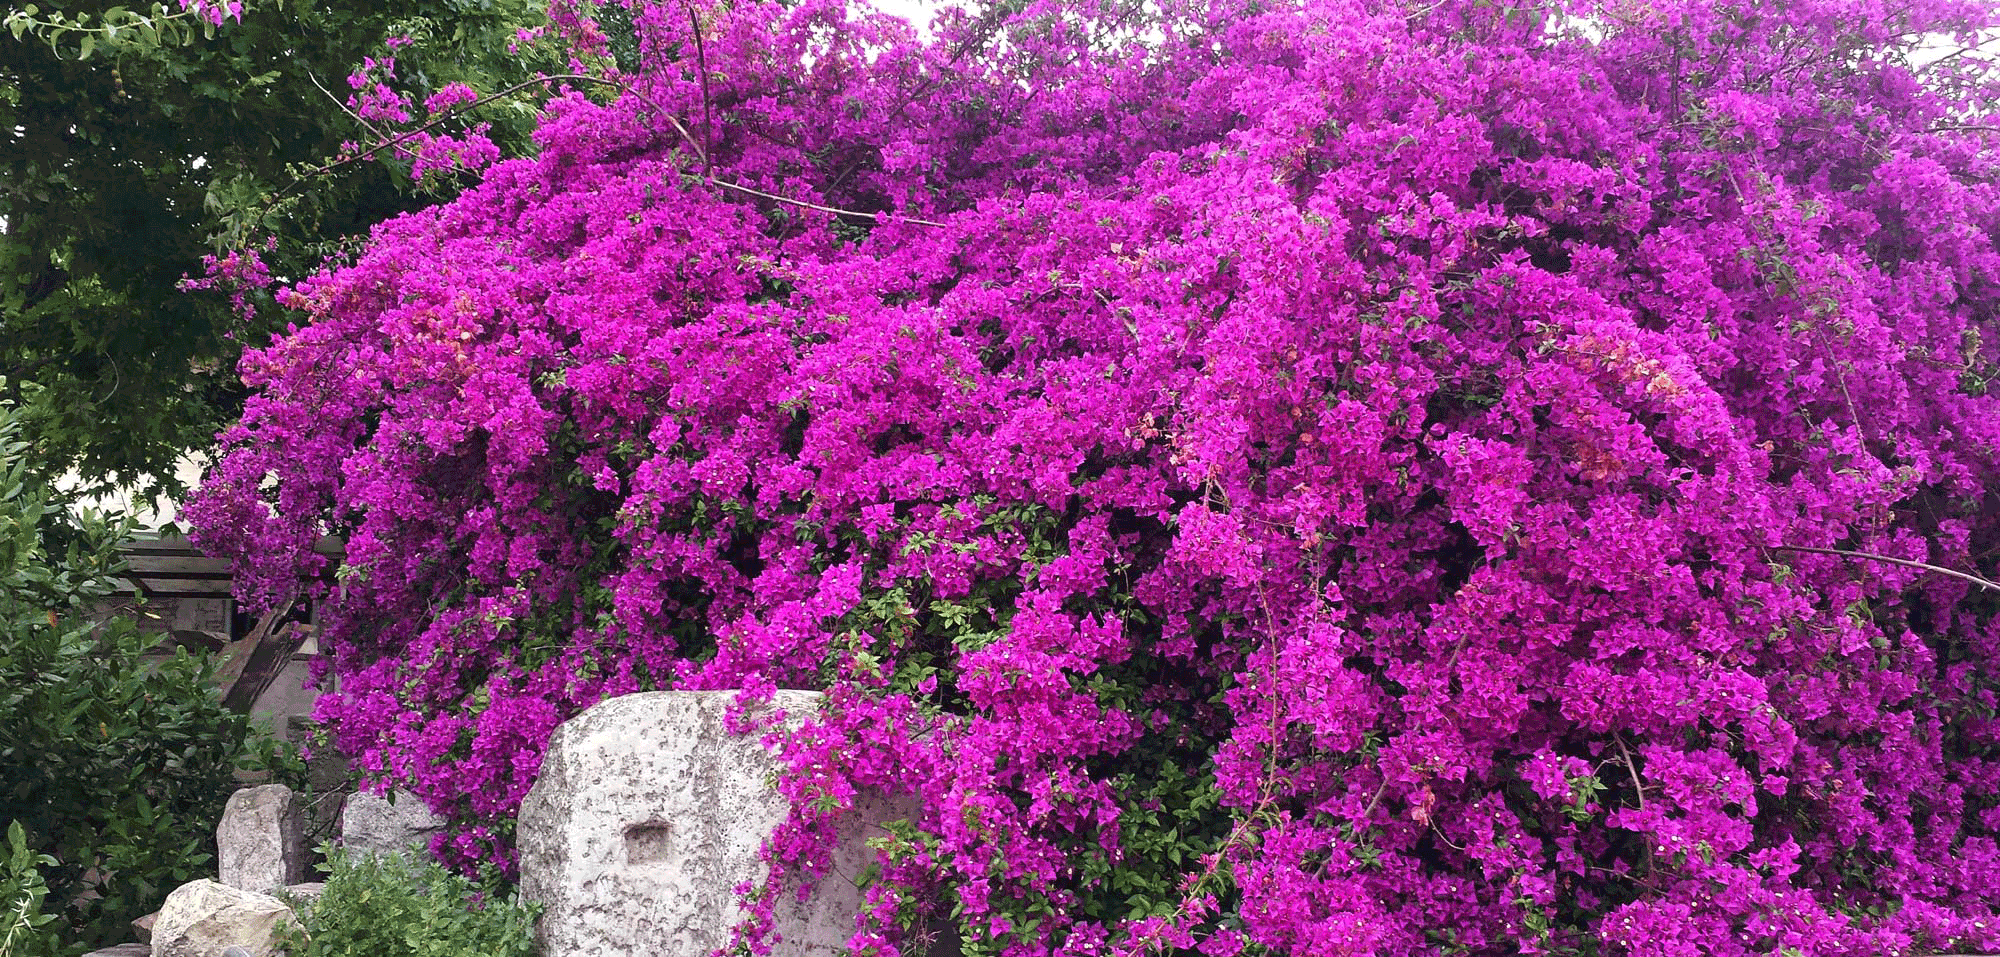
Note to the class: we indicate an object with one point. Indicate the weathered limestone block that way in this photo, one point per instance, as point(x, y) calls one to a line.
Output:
point(302, 897)
point(261, 842)
point(647, 815)
point(372, 824)
point(123, 950)
point(201, 918)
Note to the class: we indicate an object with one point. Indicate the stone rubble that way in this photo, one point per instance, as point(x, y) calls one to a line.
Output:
point(647, 815)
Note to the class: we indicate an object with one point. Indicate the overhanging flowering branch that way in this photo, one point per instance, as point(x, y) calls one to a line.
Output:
point(367, 153)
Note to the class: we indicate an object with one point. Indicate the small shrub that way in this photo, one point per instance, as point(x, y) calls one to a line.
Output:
point(389, 906)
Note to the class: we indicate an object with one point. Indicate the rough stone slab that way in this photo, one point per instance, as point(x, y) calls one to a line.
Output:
point(261, 842)
point(142, 927)
point(308, 891)
point(647, 815)
point(201, 918)
point(302, 897)
point(372, 824)
point(123, 950)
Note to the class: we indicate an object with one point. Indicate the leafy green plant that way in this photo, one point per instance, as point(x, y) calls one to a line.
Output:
point(24, 930)
point(391, 906)
point(115, 762)
point(78, 36)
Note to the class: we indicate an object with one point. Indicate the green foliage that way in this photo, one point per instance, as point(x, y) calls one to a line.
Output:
point(114, 762)
point(24, 929)
point(388, 906)
point(118, 27)
point(144, 136)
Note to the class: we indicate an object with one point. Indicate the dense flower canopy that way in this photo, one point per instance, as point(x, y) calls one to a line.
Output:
point(1315, 477)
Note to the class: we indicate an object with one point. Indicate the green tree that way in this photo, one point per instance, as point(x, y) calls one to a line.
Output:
point(134, 142)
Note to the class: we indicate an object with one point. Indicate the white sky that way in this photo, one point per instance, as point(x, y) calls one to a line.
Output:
point(917, 12)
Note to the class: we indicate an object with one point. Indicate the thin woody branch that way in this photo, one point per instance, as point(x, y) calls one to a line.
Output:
point(680, 128)
point(1892, 560)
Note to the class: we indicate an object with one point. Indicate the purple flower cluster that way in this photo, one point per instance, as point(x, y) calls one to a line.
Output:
point(215, 12)
point(1326, 477)
point(377, 100)
point(241, 272)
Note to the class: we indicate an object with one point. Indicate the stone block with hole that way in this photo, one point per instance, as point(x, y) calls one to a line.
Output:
point(647, 815)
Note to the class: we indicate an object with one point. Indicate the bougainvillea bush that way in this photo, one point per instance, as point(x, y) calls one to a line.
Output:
point(1261, 477)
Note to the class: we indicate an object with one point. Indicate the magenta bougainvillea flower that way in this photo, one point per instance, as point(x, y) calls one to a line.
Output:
point(1325, 477)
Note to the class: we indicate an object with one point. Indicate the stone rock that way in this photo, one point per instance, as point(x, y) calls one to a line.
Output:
point(261, 842)
point(306, 893)
point(142, 927)
point(371, 824)
point(301, 898)
point(201, 918)
point(123, 950)
point(647, 815)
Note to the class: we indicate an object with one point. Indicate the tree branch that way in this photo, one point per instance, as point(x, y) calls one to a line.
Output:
point(1892, 560)
point(679, 127)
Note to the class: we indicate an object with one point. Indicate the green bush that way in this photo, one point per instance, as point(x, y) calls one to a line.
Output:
point(24, 930)
point(390, 906)
point(114, 765)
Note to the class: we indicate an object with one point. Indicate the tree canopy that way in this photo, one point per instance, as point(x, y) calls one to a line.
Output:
point(136, 143)
point(1312, 477)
